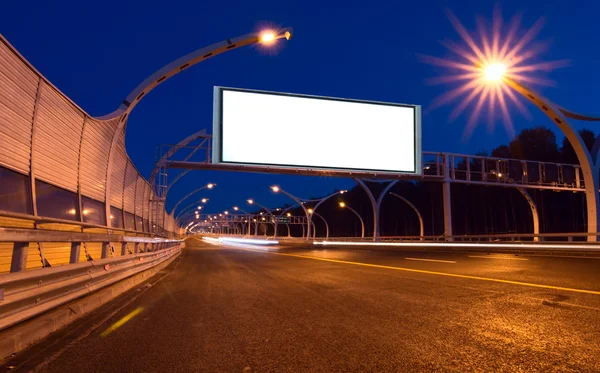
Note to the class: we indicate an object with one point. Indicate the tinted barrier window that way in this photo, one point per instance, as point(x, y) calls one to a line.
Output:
point(129, 221)
point(54, 202)
point(93, 211)
point(14, 192)
point(139, 223)
point(116, 217)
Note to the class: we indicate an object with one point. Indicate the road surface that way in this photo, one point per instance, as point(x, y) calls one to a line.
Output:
point(314, 309)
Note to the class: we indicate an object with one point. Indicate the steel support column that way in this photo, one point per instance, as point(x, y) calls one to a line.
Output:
point(534, 213)
point(447, 200)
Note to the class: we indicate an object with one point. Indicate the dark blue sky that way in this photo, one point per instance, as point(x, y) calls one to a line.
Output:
point(97, 52)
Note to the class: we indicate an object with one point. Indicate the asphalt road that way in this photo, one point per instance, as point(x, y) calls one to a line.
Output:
point(307, 309)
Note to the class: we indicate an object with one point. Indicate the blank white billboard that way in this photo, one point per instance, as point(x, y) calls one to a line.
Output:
point(308, 132)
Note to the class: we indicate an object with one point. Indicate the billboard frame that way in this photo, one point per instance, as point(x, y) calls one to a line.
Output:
point(217, 143)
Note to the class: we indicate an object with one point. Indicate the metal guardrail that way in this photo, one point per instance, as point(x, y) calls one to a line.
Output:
point(25, 294)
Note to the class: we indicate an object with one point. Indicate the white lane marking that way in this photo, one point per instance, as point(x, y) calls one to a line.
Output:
point(495, 257)
point(432, 260)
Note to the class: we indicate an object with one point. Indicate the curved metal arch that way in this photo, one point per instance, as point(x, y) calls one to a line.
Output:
point(326, 226)
point(163, 74)
point(375, 203)
point(585, 118)
point(534, 213)
point(175, 149)
point(188, 195)
point(183, 63)
point(362, 223)
point(416, 210)
point(588, 166)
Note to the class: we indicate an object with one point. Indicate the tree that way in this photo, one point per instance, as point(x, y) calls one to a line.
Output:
point(502, 152)
point(535, 144)
point(567, 154)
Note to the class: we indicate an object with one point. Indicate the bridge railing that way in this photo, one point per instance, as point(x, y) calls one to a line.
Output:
point(474, 169)
point(29, 242)
point(27, 293)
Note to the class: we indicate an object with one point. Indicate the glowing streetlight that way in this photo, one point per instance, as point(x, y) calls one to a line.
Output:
point(495, 71)
point(226, 212)
point(310, 211)
point(362, 223)
point(236, 208)
point(289, 214)
point(267, 37)
point(203, 200)
point(250, 201)
point(479, 62)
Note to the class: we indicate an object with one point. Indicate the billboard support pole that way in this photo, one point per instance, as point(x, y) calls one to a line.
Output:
point(447, 199)
point(375, 204)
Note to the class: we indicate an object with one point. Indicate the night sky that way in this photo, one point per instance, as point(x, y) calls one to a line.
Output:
point(97, 52)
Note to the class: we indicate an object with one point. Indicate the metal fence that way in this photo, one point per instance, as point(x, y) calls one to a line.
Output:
point(57, 161)
point(24, 294)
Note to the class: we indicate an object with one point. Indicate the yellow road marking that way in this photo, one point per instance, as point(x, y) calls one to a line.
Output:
point(495, 257)
point(432, 260)
point(121, 322)
point(520, 283)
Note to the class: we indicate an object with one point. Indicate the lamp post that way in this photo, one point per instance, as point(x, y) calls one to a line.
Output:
point(266, 37)
point(207, 186)
point(495, 74)
point(362, 223)
point(268, 211)
point(421, 225)
point(235, 208)
point(201, 200)
point(312, 212)
point(277, 189)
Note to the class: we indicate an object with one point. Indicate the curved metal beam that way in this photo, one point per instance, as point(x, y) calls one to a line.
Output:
point(188, 195)
point(297, 200)
point(326, 226)
point(185, 62)
point(587, 163)
point(376, 204)
point(586, 118)
point(534, 213)
point(175, 149)
point(421, 225)
point(163, 74)
point(362, 223)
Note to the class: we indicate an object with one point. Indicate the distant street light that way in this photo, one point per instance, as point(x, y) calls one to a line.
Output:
point(308, 212)
point(207, 186)
point(362, 223)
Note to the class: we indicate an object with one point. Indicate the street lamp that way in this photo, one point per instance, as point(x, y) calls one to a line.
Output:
point(236, 208)
point(253, 202)
point(207, 186)
point(277, 189)
point(494, 74)
point(362, 223)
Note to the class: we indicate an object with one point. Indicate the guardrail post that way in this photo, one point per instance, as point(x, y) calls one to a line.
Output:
point(136, 248)
point(19, 256)
point(105, 248)
point(123, 248)
point(146, 247)
point(75, 250)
